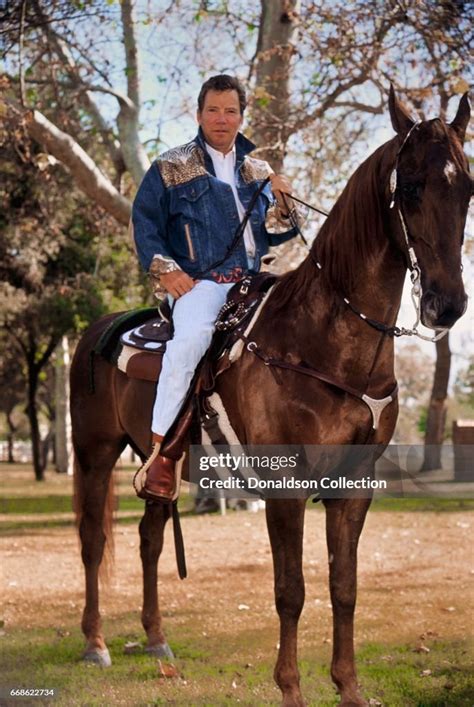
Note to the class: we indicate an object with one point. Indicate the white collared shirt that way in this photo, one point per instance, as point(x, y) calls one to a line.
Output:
point(224, 167)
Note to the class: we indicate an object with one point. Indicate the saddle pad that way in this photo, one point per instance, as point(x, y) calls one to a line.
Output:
point(144, 365)
point(151, 336)
point(108, 345)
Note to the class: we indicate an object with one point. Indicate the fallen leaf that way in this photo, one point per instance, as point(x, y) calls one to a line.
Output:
point(421, 649)
point(62, 632)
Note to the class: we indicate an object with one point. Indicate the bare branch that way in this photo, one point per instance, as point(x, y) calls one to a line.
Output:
point(355, 105)
point(20, 53)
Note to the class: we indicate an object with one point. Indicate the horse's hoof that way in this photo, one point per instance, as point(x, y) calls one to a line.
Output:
point(161, 650)
point(98, 656)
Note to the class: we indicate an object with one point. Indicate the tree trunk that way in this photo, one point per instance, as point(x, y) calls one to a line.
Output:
point(10, 438)
point(32, 412)
point(63, 451)
point(128, 119)
point(275, 48)
point(436, 421)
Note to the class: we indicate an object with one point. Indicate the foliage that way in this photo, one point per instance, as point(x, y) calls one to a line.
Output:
point(464, 384)
point(58, 270)
point(414, 372)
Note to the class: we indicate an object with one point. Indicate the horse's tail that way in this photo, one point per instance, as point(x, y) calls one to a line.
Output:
point(80, 499)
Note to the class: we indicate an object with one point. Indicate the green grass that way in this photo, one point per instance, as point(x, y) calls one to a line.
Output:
point(439, 505)
point(228, 668)
point(62, 504)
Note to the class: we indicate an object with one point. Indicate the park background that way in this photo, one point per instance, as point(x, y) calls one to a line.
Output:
point(92, 92)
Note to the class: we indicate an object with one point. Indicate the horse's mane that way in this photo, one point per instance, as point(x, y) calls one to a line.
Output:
point(351, 236)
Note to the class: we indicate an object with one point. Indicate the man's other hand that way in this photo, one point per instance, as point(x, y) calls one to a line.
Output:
point(281, 185)
point(177, 283)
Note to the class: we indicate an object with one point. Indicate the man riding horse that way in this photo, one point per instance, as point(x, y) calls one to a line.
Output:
point(185, 215)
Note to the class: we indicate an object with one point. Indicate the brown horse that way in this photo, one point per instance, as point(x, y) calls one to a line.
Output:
point(361, 254)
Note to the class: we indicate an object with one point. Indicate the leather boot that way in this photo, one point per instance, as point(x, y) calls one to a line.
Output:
point(160, 475)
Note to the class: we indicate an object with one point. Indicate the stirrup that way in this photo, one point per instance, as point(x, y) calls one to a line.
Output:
point(139, 478)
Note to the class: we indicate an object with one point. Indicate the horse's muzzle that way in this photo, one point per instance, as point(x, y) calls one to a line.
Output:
point(439, 311)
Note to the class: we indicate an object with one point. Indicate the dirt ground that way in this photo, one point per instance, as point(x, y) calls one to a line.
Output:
point(415, 576)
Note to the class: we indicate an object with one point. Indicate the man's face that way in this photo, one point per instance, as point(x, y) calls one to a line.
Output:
point(220, 119)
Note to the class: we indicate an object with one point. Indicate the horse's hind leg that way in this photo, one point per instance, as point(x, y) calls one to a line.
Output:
point(344, 522)
point(152, 528)
point(93, 472)
point(285, 520)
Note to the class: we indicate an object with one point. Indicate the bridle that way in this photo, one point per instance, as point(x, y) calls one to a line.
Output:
point(415, 270)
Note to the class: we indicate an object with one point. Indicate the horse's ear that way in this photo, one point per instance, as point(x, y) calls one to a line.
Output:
point(401, 119)
point(461, 120)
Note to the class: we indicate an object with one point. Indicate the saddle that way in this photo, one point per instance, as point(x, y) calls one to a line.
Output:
point(142, 347)
point(138, 351)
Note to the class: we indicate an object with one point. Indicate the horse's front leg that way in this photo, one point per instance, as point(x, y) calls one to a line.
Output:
point(285, 521)
point(152, 528)
point(344, 522)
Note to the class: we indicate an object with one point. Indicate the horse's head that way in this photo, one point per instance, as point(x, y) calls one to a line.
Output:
point(431, 199)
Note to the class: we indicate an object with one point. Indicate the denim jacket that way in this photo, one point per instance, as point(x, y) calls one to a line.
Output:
point(185, 218)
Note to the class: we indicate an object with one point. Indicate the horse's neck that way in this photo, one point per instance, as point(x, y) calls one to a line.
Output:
point(359, 255)
point(326, 330)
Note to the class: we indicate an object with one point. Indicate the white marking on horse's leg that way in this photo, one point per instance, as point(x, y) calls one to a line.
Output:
point(449, 171)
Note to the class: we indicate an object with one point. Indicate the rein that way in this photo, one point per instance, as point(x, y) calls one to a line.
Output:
point(238, 233)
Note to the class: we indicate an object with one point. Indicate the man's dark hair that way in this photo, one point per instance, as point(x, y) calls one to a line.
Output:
point(222, 82)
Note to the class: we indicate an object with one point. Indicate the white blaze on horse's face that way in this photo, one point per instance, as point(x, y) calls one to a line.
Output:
point(450, 171)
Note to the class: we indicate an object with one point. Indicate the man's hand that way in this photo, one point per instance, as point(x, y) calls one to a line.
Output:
point(177, 283)
point(281, 185)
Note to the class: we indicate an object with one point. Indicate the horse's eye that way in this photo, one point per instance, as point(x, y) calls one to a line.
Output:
point(412, 191)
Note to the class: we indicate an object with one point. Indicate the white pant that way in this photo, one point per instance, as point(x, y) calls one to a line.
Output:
point(194, 315)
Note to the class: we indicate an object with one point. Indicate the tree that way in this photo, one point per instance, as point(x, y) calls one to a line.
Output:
point(464, 384)
point(414, 372)
point(12, 393)
point(333, 62)
point(53, 280)
point(436, 420)
point(271, 105)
